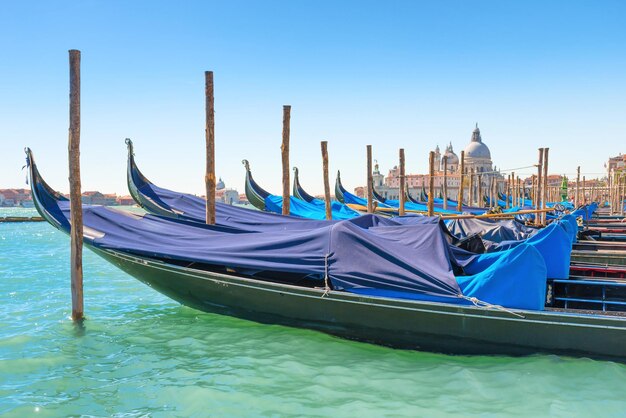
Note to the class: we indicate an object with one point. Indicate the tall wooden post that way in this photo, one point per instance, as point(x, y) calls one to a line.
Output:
point(584, 190)
point(445, 182)
point(459, 206)
point(329, 214)
point(545, 184)
point(76, 207)
point(431, 184)
point(609, 190)
point(402, 194)
point(209, 132)
point(621, 195)
point(615, 186)
point(577, 198)
point(284, 149)
point(539, 185)
point(534, 189)
point(513, 190)
point(507, 188)
point(470, 201)
point(370, 185)
point(494, 192)
point(479, 198)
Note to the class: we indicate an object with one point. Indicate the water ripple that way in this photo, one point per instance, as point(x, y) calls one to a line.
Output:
point(141, 354)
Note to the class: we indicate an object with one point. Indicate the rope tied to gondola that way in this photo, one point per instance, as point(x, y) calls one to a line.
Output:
point(481, 304)
point(326, 281)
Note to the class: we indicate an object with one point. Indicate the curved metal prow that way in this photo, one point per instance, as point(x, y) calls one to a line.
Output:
point(339, 188)
point(129, 145)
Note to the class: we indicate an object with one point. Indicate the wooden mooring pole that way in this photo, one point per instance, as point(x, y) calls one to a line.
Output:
point(370, 185)
point(459, 205)
point(480, 202)
point(506, 191)
point(209, 132)
point(402, 194)
point(470, 201)
point(329, 214)
point(544, 197)
point(284, 149)
point(445, 182)
point(431, 184)
point(577, 197)
point(76, 207)
point(539, 183)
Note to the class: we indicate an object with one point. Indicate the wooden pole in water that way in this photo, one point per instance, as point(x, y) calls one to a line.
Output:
point(459, 205)
point(609, 190)
point(470, 201)
point(490, 192)
point(431, 184)
point(507, 186)
point(76, 207)
point(209, 132)
point(480, 202)
point(329, 214)
point(544, 198)
point(539, 181)
point(401, 196)
point(284, 149)
point(584, 190)
point(445, 182)
point(622, 194)
point(513, 190)
point(370, 194)
point(535, 193)
point(577, 200)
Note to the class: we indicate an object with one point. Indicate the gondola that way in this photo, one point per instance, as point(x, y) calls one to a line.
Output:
point(255, 194)
point(413, 324)
point(303, 208)
point(298, 191)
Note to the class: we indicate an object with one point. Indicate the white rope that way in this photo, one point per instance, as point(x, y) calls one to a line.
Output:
point(326, 286)
point(480, 304)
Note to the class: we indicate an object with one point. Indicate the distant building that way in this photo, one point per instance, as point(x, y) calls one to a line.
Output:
point(16, 197)
point(226, 194)
point(477, 158)
point(615, 164)
point(97, 198)
point(125, 201)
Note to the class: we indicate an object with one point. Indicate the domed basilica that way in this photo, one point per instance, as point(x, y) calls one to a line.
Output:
point(477, 160)
point(477, 156)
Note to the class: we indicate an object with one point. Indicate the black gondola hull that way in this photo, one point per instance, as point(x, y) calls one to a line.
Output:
point(402, 324)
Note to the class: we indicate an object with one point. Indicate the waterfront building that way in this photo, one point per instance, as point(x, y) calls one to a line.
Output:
point(614, 164)
point(16, 197)
point(97, 198)
point(477, 158)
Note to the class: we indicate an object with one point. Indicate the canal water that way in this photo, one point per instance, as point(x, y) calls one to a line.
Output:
point(141, 354)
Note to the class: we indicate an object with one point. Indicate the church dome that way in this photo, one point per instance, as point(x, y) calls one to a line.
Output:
point(452, 158)
point(220, 185)
point(476, 149)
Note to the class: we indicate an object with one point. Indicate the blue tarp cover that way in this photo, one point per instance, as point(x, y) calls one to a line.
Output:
point(315, 209)
point(365, 254)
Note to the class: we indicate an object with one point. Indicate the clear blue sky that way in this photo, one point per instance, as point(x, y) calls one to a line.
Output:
point(391, 74)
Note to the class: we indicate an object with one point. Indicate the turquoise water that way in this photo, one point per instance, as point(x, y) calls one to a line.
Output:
point(140, 354)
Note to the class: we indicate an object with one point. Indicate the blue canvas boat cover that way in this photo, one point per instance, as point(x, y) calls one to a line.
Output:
point(315, 209)
point(365, 254)
point(490, 229)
